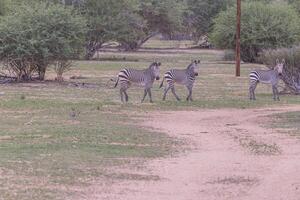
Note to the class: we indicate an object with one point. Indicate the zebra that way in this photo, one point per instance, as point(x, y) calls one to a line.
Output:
point(144, 77)
point(267, 77)
point(181, 76)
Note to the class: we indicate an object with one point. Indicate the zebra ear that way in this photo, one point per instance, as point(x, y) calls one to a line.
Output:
point(277, 61)
point(198, 61)
point(159, 64)
point(283, 61)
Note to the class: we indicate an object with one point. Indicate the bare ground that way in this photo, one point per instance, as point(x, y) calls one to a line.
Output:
point(232, 155)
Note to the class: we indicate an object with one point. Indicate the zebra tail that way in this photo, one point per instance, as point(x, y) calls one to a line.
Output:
point(162, 83)
point(117, 82)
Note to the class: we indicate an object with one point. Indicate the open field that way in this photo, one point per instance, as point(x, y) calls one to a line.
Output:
point(57, 140)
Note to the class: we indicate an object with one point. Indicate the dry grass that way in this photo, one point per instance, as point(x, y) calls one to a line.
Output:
point(57, 136)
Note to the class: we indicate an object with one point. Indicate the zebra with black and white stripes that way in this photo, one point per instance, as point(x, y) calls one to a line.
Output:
point(267, 77)
point(145, 78)
point(181, 76)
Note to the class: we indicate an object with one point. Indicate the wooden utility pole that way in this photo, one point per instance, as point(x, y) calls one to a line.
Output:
point(238, 39)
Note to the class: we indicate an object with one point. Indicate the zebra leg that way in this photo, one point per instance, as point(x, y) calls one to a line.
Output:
point(252, 90)
point(165, 92)
point(189, 97)
point(121, 94)
point(250, 93)
point(145, 94)
point(173, 91)
point(126, 96)
point(150, 95)
point(275, 93)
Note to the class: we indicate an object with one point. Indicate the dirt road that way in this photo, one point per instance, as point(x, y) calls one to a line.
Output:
point(232, 156)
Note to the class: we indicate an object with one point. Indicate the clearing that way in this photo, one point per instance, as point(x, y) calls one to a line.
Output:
point(77, 141)
point(232, 155)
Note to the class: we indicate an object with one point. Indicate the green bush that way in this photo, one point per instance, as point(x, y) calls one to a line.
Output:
point(295, 4)
point(291, 75)
point(37, 35)
point(262, 26)
point(229, 55)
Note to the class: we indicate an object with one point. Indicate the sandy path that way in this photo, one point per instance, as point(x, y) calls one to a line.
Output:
point(232, 157)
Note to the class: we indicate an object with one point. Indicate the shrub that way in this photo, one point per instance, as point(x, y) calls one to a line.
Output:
point(291, 75)
point(37, 35)
point(229, 55)
point(262, 26)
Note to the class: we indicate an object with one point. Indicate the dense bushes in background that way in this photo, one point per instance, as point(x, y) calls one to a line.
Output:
point(35, 36)
point(262, 26)
point(291, 75)
point(198, 18)
point(129, 22)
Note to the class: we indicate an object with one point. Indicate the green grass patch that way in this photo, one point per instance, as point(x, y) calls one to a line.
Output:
point(57, 135)
point(288, 120)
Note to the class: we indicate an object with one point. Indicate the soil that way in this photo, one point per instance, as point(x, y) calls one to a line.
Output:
point(233, 154)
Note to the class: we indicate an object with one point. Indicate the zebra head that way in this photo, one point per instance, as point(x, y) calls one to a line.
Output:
point(193, 67)
point(154, 67)
point(279, 66)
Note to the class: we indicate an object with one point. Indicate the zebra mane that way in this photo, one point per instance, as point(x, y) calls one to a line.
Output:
point(190, 65)
point(151, 64)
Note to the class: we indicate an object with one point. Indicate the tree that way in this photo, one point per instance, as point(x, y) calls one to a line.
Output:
point(3, 7)
point(110, 20)
point(200, 13)
point(295, 4)
point(37, 35)
point(163, 16)
point(129, 22)
point(262, 26)
point(291, 73)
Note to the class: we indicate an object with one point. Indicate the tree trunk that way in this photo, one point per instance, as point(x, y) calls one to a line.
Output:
point(292, 81)
point(133, 46)
point(42, 72)
point(59, 78)
point(91, 49)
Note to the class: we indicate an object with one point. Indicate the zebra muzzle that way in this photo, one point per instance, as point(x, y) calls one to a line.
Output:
point(157, 78)
point(196, 74)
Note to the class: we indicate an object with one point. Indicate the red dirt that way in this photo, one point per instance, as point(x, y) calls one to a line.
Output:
point(232, 157)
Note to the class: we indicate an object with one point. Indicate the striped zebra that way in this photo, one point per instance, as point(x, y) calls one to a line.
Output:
point(181, 76)
point(267, 77)
point(144, 78)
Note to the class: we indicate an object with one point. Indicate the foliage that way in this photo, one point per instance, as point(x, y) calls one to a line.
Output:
point(295, 4)
point(163, 16)
point(111, 20)
point(3, 7)
point(229, 55)
point(129, 22)
point(291, 75)
point(262, 26)
point(35, 36)
point(200, 13)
